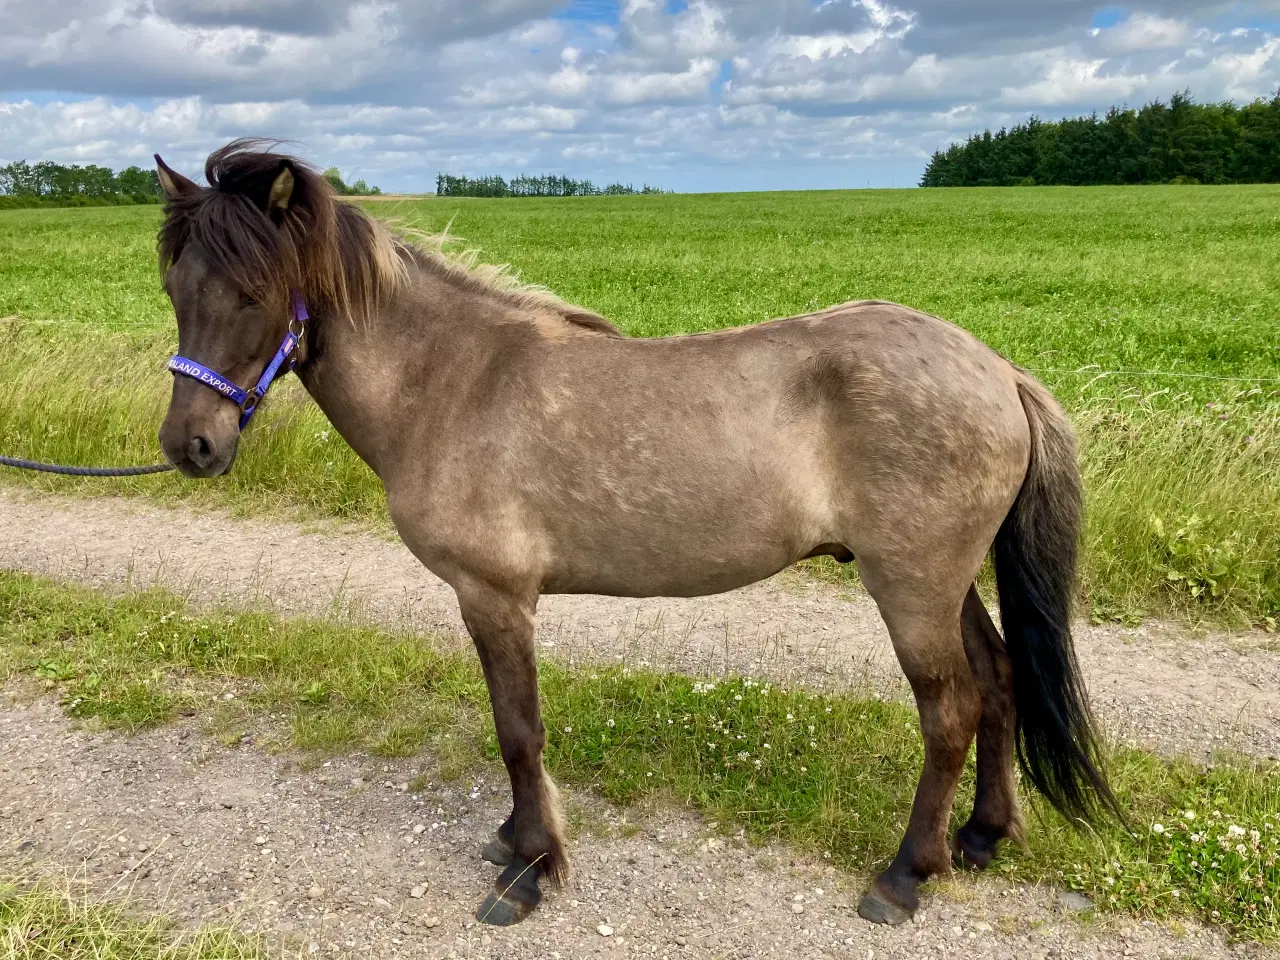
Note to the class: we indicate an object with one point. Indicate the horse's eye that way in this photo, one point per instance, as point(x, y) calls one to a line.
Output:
point(247, 300)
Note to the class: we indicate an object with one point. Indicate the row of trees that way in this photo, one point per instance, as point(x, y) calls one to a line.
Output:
point(49, 181)
point(525, 186)
point(357, 189)
point(1178, 142)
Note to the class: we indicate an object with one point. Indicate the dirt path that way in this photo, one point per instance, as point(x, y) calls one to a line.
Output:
point(344, 859)
point(1154, 684)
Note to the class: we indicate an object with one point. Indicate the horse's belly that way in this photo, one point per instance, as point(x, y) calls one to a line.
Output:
point(674, 575)
point(686, 554)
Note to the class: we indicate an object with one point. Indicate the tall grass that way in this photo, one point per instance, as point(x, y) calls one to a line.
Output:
point(832, 774)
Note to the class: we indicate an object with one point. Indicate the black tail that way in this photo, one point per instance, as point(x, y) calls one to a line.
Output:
point(1035, 563)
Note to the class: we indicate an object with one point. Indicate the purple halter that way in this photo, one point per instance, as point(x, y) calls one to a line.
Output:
point(247, 400)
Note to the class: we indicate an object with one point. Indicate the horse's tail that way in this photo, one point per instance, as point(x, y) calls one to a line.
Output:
point(1035, 563)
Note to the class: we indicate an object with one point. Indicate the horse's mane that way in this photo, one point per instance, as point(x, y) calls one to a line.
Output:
point(329, 250)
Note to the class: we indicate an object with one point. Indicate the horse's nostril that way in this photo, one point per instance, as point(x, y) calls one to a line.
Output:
point(201, 451)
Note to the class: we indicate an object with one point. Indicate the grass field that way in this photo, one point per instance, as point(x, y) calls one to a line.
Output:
point(832, 774)
point(1182, 466)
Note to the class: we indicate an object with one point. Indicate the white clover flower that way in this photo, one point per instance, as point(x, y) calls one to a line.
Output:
point(609, 723)
point(1157, 828)
point(1234, 831)
point(1188, 815)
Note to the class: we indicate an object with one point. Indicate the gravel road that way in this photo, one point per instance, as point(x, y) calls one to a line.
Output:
point(346, 861)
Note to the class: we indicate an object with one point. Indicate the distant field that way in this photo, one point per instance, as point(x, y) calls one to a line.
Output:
point(1184, 497)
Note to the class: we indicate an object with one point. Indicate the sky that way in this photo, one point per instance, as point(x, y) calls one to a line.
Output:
point(690, 95)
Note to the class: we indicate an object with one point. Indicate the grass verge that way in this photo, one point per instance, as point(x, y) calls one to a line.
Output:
point(831, 774)
point(43, 920)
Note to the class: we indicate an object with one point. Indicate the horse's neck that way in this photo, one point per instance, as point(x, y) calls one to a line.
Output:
point(380, 379)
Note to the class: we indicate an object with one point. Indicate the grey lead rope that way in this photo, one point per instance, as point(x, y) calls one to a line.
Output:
point(83, 471)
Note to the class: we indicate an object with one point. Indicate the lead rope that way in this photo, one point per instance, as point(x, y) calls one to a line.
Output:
point(83, 471)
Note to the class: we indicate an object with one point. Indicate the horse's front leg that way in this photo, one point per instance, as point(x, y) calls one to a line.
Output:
point(531, 842)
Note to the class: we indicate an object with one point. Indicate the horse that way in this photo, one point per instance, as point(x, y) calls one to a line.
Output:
point(527, 446)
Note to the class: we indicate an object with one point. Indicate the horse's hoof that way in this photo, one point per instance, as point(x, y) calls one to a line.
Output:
point(875, 910)
point(497, 852)
point(502, 911)
point(970, 850)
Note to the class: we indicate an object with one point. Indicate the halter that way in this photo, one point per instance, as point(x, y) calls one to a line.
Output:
point(247, 400)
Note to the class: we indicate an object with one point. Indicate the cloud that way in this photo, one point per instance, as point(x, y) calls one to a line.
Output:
point(1144, 32)
point(706, 92)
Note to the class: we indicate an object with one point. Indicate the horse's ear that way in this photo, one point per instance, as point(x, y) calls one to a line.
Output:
point(281, 190)
point(173, 183)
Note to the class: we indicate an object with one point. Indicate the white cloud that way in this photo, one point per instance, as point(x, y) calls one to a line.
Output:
point(395, 90)
point(1144, 32)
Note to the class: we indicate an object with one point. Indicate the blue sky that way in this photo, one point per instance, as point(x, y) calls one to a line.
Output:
point(686, 94)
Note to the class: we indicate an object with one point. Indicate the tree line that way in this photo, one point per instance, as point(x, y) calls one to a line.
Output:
point(526, 186)
point(357, 189)
point(46, 183)
point(1178, 142)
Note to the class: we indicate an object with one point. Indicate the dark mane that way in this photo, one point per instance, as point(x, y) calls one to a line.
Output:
point(331, 251)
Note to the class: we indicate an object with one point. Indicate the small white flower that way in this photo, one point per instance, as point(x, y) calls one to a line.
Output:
point(1157, 828)
point(568, 729)
point(1188, 815)
point(1234, 831)
point(609, 723)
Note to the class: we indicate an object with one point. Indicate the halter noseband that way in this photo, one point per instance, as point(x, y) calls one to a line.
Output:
point(247, 400)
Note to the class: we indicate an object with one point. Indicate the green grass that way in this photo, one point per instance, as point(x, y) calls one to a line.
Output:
point(43, 920)
point(832, 774)
point(1173, 279)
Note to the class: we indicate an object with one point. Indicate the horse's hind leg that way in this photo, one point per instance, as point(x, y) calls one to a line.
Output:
point(531, 842)
point(995, 808)
point(927, 639)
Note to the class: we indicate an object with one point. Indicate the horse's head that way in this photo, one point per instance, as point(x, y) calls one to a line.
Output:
point(231, 255)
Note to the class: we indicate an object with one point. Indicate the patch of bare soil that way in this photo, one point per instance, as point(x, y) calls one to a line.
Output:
point(344, 860)
point(1158, 684)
